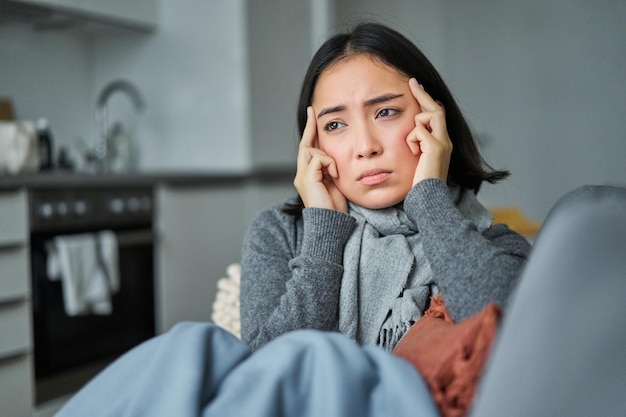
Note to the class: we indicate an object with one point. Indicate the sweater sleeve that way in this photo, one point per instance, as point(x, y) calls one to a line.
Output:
point(471, 268)
point(289, 281)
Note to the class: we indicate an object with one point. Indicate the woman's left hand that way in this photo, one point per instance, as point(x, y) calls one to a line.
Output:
point(429, 139)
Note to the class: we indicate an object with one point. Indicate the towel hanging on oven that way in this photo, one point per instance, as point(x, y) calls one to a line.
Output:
point(87, 266)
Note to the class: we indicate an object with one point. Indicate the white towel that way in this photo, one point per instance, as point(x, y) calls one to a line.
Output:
point(87, 265)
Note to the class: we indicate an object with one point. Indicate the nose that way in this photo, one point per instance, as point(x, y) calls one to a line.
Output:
point(367, 144)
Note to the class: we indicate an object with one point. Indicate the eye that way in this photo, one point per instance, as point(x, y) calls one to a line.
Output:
point(386, 112)
point(333, 126)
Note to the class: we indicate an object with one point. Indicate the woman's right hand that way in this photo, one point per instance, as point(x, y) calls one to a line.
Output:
point(315, 172)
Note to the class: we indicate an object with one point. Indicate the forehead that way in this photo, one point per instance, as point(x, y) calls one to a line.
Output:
point(360, 75)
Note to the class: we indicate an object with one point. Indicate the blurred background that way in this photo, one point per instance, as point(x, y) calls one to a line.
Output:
point(541, 83)
point(174, 122)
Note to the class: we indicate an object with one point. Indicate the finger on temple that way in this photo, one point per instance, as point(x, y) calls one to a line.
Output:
point(424, 99)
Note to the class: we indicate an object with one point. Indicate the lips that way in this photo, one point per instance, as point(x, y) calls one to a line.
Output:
point(373, 176)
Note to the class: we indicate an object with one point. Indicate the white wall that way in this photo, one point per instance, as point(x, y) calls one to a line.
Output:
point(46, 74)
point(220, 80)
point(541, 82)
point(193, 74)
point(545, 82)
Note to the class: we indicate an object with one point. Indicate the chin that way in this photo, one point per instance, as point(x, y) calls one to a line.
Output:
point(379, 202)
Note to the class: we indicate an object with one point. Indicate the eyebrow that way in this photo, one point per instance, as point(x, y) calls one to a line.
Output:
point(376, 100)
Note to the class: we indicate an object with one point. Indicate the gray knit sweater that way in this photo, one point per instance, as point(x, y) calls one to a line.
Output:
point(292, 267)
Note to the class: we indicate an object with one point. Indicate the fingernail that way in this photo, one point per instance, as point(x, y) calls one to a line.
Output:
point(414, 82)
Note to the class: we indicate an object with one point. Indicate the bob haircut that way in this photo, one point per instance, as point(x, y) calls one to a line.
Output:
point(467, 167)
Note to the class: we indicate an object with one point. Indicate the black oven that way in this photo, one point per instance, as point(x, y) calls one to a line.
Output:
point(69, 350)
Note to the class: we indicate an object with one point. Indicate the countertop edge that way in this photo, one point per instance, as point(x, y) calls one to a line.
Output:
point(60, 179)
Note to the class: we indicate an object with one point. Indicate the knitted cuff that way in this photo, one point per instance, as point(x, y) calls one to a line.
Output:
point(429, 201)
point(325, 233)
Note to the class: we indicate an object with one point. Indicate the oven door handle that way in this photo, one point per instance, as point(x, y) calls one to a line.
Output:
point(134, 237)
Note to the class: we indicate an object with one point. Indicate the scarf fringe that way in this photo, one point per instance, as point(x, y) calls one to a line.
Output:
point(389, 338)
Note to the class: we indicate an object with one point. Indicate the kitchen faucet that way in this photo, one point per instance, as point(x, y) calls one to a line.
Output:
point(101, 152)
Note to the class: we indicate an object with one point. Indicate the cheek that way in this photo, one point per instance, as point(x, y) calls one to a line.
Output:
point(399, 133)
point(333, 151)
point(408, 125)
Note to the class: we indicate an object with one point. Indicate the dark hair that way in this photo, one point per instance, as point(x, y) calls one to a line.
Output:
point(467, 167)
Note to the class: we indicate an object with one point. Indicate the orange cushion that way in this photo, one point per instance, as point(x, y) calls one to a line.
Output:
point(450, 356)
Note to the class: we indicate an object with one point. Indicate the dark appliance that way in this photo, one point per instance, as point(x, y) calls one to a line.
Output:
point(69, 350)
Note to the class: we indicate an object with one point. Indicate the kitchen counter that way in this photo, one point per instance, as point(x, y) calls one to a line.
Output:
point(64, 179)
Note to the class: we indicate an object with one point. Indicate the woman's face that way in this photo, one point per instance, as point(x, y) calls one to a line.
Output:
point(365, 110)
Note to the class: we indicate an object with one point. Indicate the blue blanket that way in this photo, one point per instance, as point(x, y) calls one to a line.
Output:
point(199, 369)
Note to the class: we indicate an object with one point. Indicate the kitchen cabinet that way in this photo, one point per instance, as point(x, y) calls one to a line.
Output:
point(200, 231)
point(55, 198)
point(135, 14)
point(199, 225)
point(16, 368)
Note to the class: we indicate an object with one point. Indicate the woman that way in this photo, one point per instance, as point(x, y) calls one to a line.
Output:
point(387, 172)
